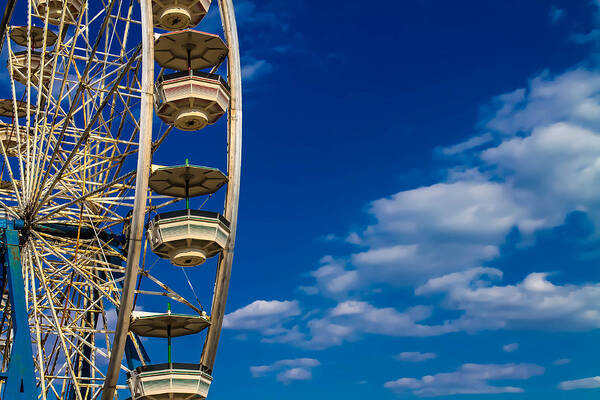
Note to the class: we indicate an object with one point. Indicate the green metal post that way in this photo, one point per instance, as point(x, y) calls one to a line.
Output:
point(169, 336)
point(187, 187)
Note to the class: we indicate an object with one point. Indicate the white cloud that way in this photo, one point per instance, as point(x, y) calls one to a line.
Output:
point(531, 161)
point(510, 348)
point(287, 370)
point(354, 238)
point(483, 304)
point(469, 144)
point(534, 303)
point(294, 374)
point(433, 230)
point(266, 317)
point(254, 69)
point(468, 379)
point(562, 361)
point(561, 152)
point(414, 356)
point(386, 255)
point(587, 383)
point(292, 335)
point(332, 278)
point(568, 97)
point(535, 162)
point(349, 320)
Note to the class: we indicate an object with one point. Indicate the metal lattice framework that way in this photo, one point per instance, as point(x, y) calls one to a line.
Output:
point(77, 140)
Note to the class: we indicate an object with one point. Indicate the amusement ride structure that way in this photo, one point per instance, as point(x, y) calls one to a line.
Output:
point(91, 92)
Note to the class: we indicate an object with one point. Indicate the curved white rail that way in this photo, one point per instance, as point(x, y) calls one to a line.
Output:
point(141, 197)
point(209, 352)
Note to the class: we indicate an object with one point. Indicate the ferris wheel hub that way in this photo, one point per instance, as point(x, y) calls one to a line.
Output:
point(188, 257)
point(175, 18)
point(191, 120)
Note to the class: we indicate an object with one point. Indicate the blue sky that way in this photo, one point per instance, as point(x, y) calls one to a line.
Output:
point(419, 206)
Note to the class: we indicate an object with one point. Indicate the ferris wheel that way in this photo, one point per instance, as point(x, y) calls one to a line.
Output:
point(94, 90)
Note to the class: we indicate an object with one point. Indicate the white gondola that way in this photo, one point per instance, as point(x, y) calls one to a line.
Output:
point(191, 101)
point(54, 8)
point(170, 381)
point(165, 325)
point(32, 36)
point(186, 181)
point(9, 139)
point(189, 50)
point(172, 15)
point(7, 108)
point(188, 237)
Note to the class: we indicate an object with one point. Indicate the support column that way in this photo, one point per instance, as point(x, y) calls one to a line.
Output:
point(20, 381)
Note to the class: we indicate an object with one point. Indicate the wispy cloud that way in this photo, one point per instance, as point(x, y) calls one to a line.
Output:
point(562, 361)
point(415, 356)
point(510, 348)
point(482, 304)
point(587, 383)
point(287, 371)
point(534, 303)
point(468, 144)
point(556, 14)
point(468, 379)
point(266, 317)
point(253, 69)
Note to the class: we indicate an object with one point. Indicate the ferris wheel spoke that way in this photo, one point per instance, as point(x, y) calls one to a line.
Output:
point(81, 85)
point(170, 292)
point(50, 212)
point(83, 138)
point(78, 331)
point(79, 271)
point(57, 325)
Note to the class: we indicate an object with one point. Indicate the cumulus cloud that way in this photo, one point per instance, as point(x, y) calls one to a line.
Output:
point(483, 304)
point(534, 303)
point(332, 278)
point(415, 356)
point(527, 140)
point(349, 320)
point(477, 295)
point(266, 317)
point(561, 152)
point(468, 379)
point(569, 97)
point(287, 370)
point(587, 383)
